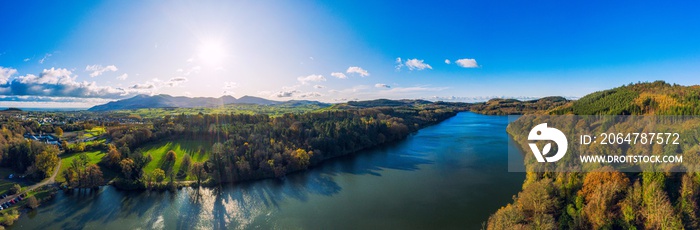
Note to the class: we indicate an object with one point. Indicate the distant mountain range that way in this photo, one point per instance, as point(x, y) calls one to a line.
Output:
point(167, 101)
point(493, 106)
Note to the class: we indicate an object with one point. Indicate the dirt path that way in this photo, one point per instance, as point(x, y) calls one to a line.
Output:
point(37, 185)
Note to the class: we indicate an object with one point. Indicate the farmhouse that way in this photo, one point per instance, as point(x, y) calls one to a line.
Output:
point(46, 138)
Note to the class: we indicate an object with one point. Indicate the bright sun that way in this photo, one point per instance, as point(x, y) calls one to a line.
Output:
point(211, 52)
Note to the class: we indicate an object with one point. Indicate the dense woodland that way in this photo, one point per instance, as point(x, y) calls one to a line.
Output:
point(635, 99)
point(500, 106)
point(250, 147)
point(35, 159)
point(243, 146)
point(606, 198)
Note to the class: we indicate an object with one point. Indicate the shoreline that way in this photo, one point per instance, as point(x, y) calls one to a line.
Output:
point(177, 185)
point(208, 184)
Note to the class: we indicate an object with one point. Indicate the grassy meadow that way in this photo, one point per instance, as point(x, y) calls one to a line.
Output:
point(95, 157)
point(198, 151)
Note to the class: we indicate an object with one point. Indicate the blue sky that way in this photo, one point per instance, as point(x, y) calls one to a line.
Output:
point(81, 53)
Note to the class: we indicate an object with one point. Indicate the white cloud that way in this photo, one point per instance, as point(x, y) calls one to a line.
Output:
point(486, 98)
point(98, 70)
point(354, 89)
point(27, 59)
point(291, 92)
point(399, 63)
point(380, 85)
point(339, 75)
point(176, 81)
point(357, 70)
point(416, 89)
point(50, 102)
point(447, 61)
point(311, 78)
point(309, 95)
point(296, 94)
point(143, 86)
point(123, 77)
point(5, 74)
point(46, 56)
point(415, 64)
point(152, 86)
point(319, 87)
point(58, 83)
point(193, 70)
point(51, 76)
point(467, 63)
point(230, 85)
point(286, 93)
point(140, 88)
point(148, 87)
point(179, 79)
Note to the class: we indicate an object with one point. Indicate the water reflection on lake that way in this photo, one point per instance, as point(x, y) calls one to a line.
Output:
point(452, 175)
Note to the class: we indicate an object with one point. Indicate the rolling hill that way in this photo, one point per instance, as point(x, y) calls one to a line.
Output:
point(167, 101)
point(646, 98)
point(657, 196)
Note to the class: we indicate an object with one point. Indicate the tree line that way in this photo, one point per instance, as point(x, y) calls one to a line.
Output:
point(605, 198)
point(34, 159)
point(248, 147)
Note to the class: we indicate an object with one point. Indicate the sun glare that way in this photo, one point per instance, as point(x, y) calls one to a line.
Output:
point(211, 52)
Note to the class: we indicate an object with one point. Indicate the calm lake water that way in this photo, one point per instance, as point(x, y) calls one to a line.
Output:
point(449, 176)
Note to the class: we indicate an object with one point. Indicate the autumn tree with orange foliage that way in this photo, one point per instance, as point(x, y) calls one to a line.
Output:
point(602, 190)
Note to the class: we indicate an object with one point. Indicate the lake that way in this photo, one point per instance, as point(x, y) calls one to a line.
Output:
point(452, 175)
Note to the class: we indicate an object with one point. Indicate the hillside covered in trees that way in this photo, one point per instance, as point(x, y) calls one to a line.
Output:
point(499, 106)
point(247, 147)
point(606, 198)
point(657, 97)
point(141, 152)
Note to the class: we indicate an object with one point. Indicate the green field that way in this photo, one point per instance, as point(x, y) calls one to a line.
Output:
point(94, 158)
point(95, 141)
point(181, 147)
point(96, 131)
point(5, 186)
point(84, 134)
point(40, 193)
point(157, 150)
point(272, 110)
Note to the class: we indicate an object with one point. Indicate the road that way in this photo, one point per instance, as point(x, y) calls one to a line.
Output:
point(37, 185)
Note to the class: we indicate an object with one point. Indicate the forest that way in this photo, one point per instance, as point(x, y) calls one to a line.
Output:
point(248, 147)
point(229, 147)
point(605, 197)
point(35, 159)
